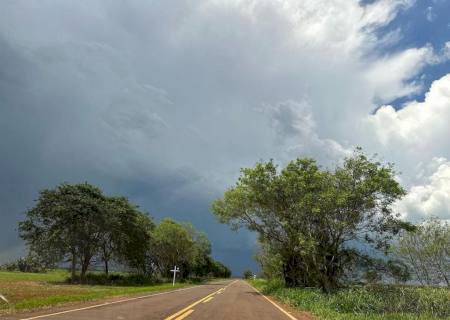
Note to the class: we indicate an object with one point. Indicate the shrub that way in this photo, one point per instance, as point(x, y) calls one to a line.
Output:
point(119, 279)
point(248, 274)
point(25, 264)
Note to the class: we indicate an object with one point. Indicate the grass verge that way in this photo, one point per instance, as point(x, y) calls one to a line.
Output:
point(369, 303)
point(27, 291)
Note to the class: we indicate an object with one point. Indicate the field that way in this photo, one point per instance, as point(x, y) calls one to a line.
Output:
point(371, 303)
point(26, 291)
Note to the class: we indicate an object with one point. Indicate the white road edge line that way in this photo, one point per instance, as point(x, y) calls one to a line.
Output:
point(276, 305)
point(108, 303)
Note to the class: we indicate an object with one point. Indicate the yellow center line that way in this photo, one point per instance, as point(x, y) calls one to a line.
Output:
point(177, 314)
point(184, 315)
point(207, 300)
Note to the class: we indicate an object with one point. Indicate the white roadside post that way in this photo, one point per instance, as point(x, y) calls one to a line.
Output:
point(175, 270)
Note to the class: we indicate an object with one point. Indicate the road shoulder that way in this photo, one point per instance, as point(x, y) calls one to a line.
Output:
point(290, 311)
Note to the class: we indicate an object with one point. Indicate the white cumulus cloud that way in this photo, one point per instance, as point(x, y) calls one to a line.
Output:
point(431, 196)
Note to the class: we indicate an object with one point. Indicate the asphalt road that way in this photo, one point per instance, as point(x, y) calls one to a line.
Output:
point(225, 300)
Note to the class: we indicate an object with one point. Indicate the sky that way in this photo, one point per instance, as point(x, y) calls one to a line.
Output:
point(164, 101)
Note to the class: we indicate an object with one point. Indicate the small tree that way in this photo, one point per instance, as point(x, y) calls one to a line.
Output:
point(427, 251)
point(248, 274)
point(173, 245)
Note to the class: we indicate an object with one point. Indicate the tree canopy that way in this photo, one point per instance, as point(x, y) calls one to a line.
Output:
point(311, 218)
point(80, 225)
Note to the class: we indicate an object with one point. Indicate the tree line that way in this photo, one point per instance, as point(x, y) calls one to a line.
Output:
point(324, 228)
point(78, 225)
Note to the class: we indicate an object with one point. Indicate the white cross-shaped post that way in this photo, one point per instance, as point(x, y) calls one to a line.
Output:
point(175, 270)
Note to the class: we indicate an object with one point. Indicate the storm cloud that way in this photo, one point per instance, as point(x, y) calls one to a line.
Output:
point(164, 101)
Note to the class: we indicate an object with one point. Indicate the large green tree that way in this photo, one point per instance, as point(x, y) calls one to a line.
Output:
point(78, 223)
point(66, 222)
point(311, 217)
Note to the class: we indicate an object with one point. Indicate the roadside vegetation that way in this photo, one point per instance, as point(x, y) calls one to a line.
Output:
point(106, 245)
point(79, 226)
point(364, 302)
point(331, 242)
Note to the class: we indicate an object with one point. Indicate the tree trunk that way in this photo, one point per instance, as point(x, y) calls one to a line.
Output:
point(106, 267)
point(84, 268)
point(290, 273)
point(86, 260)
point(73, 267)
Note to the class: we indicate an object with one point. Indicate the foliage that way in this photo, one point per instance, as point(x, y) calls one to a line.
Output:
point(132, 236)
point(270, 261)
point(369, 302)
point(29, 263)
point(372, 276)
point(309, 216)
point(80, 225)
point(219, 270)
point(173, 245)
point(248, 274)
point(427, 251)
point(398, 270)
point(66, 223)
point(117, 279)
point(181, 245)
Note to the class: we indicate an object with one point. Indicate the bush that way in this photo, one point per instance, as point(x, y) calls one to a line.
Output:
point(248, 274)
point(372, 276)
point(118, 279)
point(25, 264)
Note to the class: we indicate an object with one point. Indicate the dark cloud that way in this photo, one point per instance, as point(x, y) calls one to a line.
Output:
point(161, 101)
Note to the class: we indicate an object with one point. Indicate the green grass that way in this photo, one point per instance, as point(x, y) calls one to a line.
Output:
point(58, 275)
point(26, 291)
point(371, 303)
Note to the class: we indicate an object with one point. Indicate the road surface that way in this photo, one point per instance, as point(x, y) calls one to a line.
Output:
point(225, 300)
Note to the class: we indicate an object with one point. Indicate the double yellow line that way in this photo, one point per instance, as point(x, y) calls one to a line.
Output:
point(183, 313)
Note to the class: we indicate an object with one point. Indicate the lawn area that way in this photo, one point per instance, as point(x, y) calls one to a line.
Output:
point(36, 290)
point(371, 303)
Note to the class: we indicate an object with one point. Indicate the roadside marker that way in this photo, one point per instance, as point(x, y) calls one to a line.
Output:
point(175, 270)
point(276, 305)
